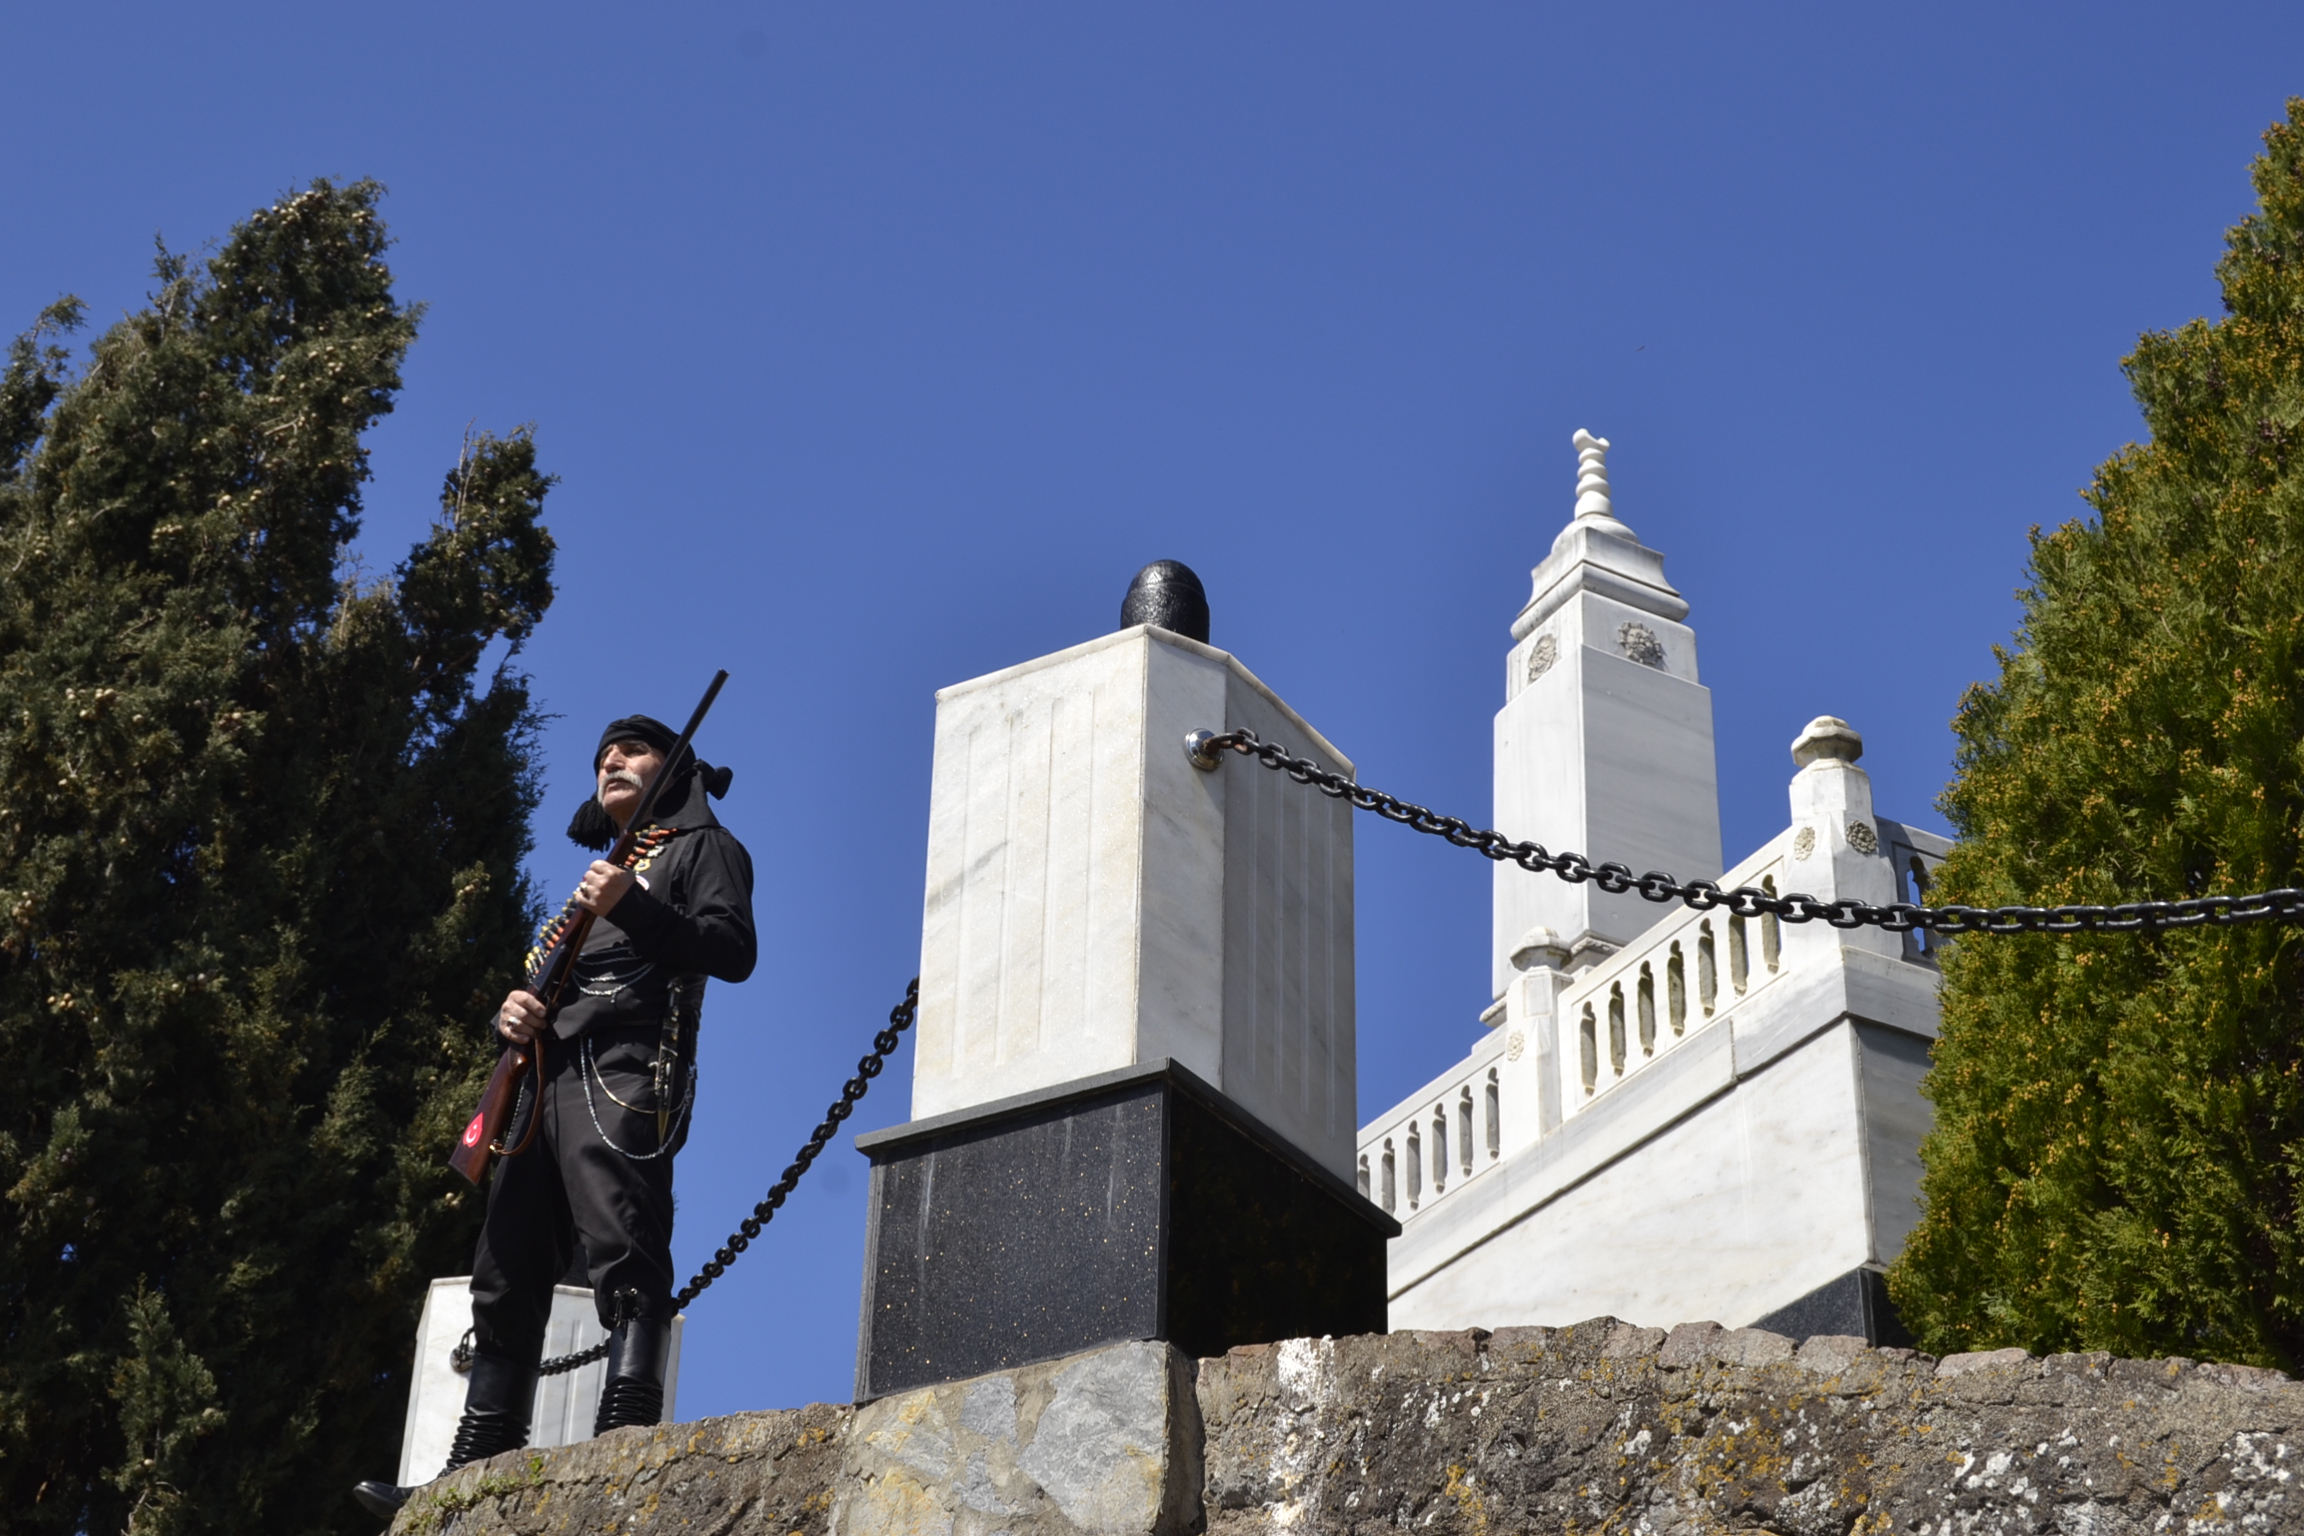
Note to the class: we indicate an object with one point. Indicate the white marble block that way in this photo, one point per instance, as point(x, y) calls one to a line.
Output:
point(1095, 902)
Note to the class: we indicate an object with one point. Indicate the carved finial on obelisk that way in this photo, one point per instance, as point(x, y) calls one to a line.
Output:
point(1591, 475)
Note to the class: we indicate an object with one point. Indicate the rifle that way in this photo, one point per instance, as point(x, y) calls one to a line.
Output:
point(483, 1137)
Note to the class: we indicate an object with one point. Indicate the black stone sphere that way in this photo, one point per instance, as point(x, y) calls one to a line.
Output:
point(1166, 593)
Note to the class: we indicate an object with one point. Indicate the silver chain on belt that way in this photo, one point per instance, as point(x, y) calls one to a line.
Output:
point(587, 1069)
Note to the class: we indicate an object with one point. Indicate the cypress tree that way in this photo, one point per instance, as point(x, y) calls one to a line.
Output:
point(262, 820)
point(2119, 1137)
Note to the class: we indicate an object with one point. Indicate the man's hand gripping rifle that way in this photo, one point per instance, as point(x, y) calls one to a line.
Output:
point(483, 1138)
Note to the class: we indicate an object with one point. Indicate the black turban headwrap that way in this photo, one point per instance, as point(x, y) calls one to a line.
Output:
point(592, 827)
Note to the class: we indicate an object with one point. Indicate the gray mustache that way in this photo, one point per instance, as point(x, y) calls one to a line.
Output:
point(625, 776)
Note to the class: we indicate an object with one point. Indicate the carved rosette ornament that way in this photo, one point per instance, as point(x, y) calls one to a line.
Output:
point(1541, 655)
point(1862, 838)
point(1639, 643)
point(1515, 1045)
point(1803, 842)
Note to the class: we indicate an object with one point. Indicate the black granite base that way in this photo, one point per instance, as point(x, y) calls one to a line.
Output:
point(1139, 1204)
point(1856, 1304)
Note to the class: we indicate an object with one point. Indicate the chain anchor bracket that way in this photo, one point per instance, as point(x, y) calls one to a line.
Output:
point(1200, 750)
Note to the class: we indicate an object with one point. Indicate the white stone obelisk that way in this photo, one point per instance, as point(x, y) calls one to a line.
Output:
point(1604, 743)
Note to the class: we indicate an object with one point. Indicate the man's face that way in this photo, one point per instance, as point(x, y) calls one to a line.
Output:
point(625, 769)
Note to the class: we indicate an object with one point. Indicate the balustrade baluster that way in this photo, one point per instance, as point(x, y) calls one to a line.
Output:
point(1676, 988)
point(1647, 993)
point(1707, 968)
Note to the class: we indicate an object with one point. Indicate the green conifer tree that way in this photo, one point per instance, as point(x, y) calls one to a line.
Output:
point(2119, 1141)
point(262, 824)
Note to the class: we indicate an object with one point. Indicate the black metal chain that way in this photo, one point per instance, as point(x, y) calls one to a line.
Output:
point(1745, 901)
point(884, 1045)
point(2285, 905)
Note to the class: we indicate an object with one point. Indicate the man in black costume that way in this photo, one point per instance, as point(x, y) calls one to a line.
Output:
point(619, 1084)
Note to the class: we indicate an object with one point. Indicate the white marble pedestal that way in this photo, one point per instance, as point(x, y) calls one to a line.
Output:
point(1134, 1094)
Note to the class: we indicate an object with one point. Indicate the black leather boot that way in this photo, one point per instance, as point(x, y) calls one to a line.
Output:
point(499, 1397)
point(637, 1355)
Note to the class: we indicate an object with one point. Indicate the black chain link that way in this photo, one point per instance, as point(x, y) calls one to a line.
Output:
point(576, 1361)
point(2285, 905)
point(884, 1045)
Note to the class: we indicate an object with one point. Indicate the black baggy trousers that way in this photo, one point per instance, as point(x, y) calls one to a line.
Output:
point(572, 1185)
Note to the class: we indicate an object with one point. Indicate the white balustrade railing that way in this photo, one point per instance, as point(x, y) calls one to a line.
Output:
point(1687, 973)
point(1684, 974)
point(1442, 1138)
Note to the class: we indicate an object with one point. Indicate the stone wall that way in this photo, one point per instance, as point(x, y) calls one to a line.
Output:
point(1599, 1427)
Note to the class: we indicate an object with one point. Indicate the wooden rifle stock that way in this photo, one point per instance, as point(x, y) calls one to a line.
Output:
point(478, 1143)
point(483, 1137)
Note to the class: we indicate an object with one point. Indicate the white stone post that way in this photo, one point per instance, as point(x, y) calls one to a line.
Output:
point(565, 1404)
point(1534, 1067)
point(1837, 852)
point(1095, 902)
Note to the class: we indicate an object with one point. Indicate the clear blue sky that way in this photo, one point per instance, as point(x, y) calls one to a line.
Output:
point(876, 346)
